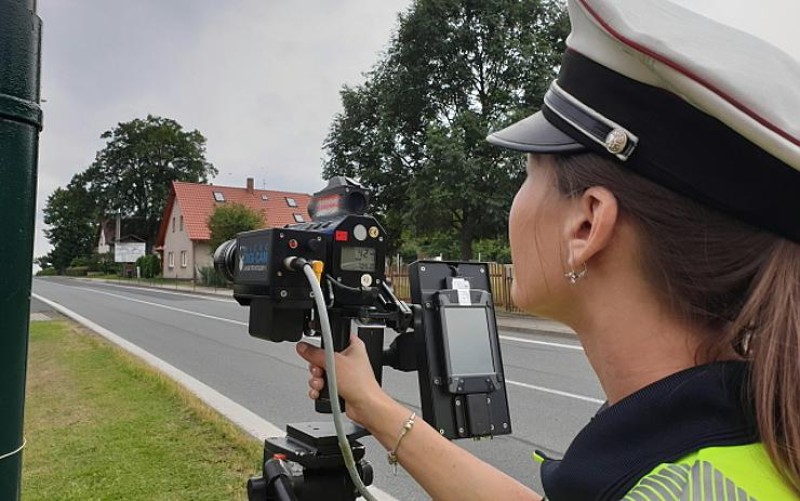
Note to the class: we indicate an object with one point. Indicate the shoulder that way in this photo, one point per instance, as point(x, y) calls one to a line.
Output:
point(742, 472)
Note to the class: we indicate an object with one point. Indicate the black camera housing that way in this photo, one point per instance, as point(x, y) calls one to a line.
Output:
point(352, 247)
point(448, 334)
point(462, 380)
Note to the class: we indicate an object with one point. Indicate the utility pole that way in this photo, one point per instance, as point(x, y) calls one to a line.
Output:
point(20, 123)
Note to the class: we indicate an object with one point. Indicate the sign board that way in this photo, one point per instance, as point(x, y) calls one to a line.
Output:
point(128, 252)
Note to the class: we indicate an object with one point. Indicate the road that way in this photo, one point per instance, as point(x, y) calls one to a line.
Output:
point(552, 390)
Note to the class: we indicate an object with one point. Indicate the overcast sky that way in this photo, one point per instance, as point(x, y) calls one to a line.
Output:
point(259, 78)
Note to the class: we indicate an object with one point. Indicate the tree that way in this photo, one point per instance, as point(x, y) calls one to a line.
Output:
point(414, 131)
point(228, 220)
point(132, 174)
point(70, 213)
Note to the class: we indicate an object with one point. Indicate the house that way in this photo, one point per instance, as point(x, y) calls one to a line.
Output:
point(184, 234)
point(109, 234)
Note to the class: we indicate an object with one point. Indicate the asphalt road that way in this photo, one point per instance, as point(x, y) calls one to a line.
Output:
point(552, 390)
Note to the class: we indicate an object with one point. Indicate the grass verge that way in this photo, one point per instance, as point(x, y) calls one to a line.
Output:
point(101, 424)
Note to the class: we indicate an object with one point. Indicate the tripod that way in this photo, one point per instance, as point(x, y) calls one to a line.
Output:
point(314, 447)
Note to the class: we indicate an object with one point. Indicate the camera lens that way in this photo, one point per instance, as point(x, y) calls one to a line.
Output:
point(355, 202)
point(225, 259)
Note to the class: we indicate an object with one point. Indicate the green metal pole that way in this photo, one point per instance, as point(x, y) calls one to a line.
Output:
point(20, 123)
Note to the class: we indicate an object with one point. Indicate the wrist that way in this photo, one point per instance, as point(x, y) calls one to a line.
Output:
point(373, 410)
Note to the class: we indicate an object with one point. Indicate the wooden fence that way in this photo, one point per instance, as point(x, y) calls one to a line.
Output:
point(500, 275)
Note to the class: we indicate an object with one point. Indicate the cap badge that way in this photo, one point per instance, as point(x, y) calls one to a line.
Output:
point(616, 141)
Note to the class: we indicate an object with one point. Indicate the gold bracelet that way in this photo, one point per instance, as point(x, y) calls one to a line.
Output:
point(392, 454)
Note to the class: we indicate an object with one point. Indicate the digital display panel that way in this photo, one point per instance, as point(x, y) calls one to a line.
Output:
point(467, 337)
point(357, 259)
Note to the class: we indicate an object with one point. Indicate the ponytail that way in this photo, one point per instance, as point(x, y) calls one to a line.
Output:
point(769, 323)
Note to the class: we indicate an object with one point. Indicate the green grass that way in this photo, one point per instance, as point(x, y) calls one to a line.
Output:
point(102, 425)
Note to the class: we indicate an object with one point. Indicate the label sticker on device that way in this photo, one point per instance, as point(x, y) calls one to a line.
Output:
point(460, 283)
point(462, 286)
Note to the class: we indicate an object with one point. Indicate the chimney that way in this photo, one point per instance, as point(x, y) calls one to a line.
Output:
point(250, 185)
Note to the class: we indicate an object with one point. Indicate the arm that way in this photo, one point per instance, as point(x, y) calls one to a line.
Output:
point(443, 469)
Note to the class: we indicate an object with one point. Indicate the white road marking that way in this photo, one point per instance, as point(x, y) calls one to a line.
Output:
point(236, 322)
point(247, 420)
point(542, 343)
point(193, 295)
point(555, 392)
point(157, 305)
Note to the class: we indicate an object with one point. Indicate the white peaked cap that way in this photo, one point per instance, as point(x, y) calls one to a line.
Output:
point(702, 96)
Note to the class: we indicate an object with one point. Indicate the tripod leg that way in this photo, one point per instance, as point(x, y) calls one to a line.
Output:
point(276, 484)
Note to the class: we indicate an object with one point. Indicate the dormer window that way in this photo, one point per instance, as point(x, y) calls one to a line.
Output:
point(291, 202)
point(299, 218)
point(264, 197)
point(218, 196)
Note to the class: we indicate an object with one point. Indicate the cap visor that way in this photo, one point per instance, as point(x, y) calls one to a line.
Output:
point(535, 135)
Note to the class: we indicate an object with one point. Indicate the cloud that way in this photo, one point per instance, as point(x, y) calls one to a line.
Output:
point(260, 79)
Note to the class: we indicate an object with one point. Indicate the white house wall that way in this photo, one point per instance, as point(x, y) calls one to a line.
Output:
point(176, 242)
point(202, 256)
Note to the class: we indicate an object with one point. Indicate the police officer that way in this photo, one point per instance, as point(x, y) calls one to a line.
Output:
point(660, 219)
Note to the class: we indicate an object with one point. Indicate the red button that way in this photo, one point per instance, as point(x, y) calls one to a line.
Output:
point(340, 236)
point(293, 244)
point(279, 457)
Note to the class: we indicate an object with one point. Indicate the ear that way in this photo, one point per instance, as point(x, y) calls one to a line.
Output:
point(590, 226)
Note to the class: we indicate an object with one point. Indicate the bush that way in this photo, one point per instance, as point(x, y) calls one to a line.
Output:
point(47, 272)
point(81, 261)
point(150, 266)
point(77, 271)
point(210, 278)
point(496, 250)
point(105, 263)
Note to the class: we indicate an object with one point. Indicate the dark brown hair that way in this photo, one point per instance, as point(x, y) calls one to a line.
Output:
point(733, 278)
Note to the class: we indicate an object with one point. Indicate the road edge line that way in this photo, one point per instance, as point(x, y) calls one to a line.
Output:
point(250, 422)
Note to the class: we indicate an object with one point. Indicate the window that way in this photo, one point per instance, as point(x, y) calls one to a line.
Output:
point(291, 202)
point(299, 218)
point(264, 197)
point(218, 196)
point(173, 225)
point(183, 259)
point(171, 259)
point(181, 223)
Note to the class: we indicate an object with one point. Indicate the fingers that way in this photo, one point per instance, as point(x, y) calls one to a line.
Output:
point(315, 382)
point(312, 354)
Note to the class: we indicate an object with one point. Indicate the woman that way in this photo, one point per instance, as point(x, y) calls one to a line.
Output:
point(659, 219)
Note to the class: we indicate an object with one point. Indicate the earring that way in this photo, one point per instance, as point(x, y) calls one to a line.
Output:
point(574, 276)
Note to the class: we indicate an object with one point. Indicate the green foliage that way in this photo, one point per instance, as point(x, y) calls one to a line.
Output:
point(228, 220)
point(496, 250)
point(47, 272)
point(104, 263)
point(414, 131)
point(429, 246)
point(70, 213)
point(81, 261)
point(76, 271)
point(132, 174)
point(149, 265)
point(210, 278)
point(101, 424)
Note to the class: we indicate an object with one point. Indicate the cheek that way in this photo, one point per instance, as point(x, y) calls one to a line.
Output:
point(534, 239)
point(525, 254)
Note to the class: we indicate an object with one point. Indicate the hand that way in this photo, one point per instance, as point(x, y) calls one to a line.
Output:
point(357, 384)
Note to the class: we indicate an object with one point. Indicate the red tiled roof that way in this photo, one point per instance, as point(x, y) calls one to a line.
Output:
point(197, 203)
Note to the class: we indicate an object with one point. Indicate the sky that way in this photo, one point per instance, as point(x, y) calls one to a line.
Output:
point(260, 79)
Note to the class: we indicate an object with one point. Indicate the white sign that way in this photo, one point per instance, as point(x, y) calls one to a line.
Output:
point(128, 252)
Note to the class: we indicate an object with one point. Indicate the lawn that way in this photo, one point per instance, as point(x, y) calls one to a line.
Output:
point(100, 424)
